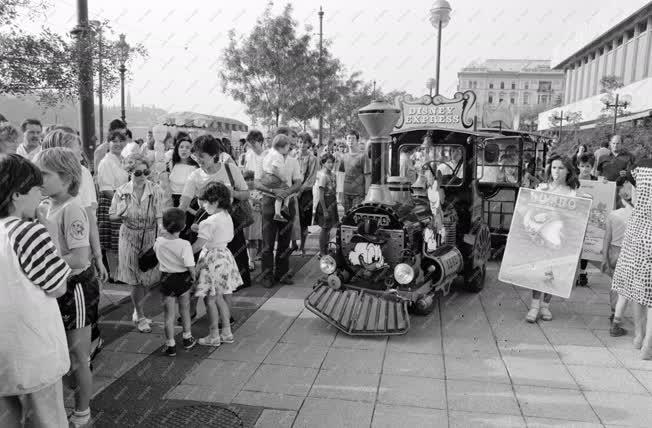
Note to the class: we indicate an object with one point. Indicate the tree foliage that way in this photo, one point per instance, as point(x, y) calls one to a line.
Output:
point(47, 64)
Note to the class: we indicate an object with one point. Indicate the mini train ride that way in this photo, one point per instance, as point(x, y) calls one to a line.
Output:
point(410, 242)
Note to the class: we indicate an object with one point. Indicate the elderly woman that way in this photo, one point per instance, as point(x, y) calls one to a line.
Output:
point(8, 137)
point(139, 204)
point(110, 175)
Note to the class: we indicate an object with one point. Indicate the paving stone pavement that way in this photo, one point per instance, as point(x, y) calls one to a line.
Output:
point(474, 362)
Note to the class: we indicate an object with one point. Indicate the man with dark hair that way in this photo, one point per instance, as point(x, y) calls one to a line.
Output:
point(253, 159)
point(357, 167)
point(618, 163)
point(103, 148)
point(32, 134)
point(602, 151)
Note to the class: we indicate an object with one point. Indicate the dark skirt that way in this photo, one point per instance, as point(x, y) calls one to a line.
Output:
point(109, 231)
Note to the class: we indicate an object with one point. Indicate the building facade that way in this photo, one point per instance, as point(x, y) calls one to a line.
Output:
point(624, 51)
point(514, 86)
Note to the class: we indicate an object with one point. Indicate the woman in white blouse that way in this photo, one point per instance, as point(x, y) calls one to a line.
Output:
point(110, 176)
point(180, 167)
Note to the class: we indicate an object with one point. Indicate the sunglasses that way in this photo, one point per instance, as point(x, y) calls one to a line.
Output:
point(138, 173)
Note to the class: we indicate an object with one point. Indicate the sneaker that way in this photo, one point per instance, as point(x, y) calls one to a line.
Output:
point(546, 315)
point(209, 341)
point(80, 419)
point(616, 330)
point(532, 315)
point(189, 343)
point(227, 339)
point(279, 217)
point(134, 318)
point(171, 351)
point(143, 325)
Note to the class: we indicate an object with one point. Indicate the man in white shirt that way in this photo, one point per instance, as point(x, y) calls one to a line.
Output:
point(275, 232)
point(32, 134)
point(255, 155)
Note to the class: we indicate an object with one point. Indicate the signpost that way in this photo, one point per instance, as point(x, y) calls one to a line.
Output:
point(545, 241)
point(604, 196)
point(436, 111)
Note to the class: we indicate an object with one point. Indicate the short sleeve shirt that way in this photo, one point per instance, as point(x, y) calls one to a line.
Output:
point(174, 255)
point(609, 166)
point(354, 170)
point(110, 173)
point(199, 178)
point(254, 162)
point(274, 160)
point(217, 230)
point(69, 228)
point(87, 198)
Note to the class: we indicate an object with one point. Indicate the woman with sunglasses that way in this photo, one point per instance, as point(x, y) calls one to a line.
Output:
point(139, 204)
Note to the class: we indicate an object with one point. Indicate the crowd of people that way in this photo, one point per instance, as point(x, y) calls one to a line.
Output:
point(205, 218)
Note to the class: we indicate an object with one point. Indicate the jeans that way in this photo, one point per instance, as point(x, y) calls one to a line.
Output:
point(275, 232)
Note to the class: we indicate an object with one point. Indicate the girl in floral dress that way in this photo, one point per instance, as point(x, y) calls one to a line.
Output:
point(217, 271)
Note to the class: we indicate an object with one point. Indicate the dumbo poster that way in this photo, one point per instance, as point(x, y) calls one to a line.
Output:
point(545, 241)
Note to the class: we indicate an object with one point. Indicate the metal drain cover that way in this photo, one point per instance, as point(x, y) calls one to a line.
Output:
point(195, 416)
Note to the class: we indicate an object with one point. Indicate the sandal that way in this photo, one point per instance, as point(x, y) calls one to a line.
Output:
point(143, 326)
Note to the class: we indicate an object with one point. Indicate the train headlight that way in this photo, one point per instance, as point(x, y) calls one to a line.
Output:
point(403, 273)
point(327, 265)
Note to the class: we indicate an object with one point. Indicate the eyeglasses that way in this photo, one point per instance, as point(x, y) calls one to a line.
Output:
point(139, 172)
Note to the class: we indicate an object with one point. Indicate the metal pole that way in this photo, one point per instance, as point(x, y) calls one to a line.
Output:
point(321, 102)
point(561, 125)
point(615, 114)
point(438, 58)
point(83, 35)
point(99, 88)
point(122, 93)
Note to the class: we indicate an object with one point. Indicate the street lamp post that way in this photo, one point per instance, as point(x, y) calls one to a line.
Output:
point(98, 27)
point(321, 101)
point(124, 55)
point(561, 118)
point(611, 103)
point(82, 35)
point(430, 84)
point(439, 18)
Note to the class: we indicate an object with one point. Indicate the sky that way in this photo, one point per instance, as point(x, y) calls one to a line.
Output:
point(391, 42)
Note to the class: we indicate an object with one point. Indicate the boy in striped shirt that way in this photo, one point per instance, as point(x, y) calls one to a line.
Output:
point(33, 276)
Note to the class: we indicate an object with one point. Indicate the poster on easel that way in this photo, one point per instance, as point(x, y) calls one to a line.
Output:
point(603, 194)
point(545, 241)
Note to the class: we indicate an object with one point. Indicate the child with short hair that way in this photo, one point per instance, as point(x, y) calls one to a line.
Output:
point(34, 354)
point(326, 213)
point(254, 233)
point(177, 265)
point(613, 238)
point(68, 224)
point(585, 166)
point(272, 177)
point(217, 272)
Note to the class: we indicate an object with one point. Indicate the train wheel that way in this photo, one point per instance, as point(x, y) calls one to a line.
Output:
point(476, 284)
point(424, 305)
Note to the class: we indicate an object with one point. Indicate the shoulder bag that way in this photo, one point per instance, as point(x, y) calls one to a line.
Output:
point(147, 258)
point(241, 211)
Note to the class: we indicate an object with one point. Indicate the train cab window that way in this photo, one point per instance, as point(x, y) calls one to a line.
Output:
point(411, 159)
point(447, 163)
point(497, 162)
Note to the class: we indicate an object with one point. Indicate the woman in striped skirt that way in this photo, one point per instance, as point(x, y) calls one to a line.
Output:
point(110, 176)
point(139, 204)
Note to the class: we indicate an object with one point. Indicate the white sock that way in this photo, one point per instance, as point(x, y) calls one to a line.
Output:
point(187, 335)
point(83, 412)
point(170, 342)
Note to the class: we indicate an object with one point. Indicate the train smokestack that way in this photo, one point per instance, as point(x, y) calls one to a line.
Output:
point(378, 118)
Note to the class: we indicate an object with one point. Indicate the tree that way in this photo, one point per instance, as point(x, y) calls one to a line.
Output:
point(46, 64)
point(273, 70)
point(349, 96)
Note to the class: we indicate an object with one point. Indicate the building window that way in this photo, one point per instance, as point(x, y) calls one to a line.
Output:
point(513, 85)
point(542, 99)
point(545, 86)
point(491, 85)
point(512, 100)
point(527, 85)
point(619, 42)
point(642, 27)
point(475, 85)
point(630, 34)
point(526, 98)
point(502, 85)
point(491, 99)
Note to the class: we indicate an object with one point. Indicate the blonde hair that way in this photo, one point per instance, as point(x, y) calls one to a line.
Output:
point(60, 138)
point(64, 162)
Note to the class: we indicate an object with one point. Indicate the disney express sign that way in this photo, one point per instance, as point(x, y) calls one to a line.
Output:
point(434, 112)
